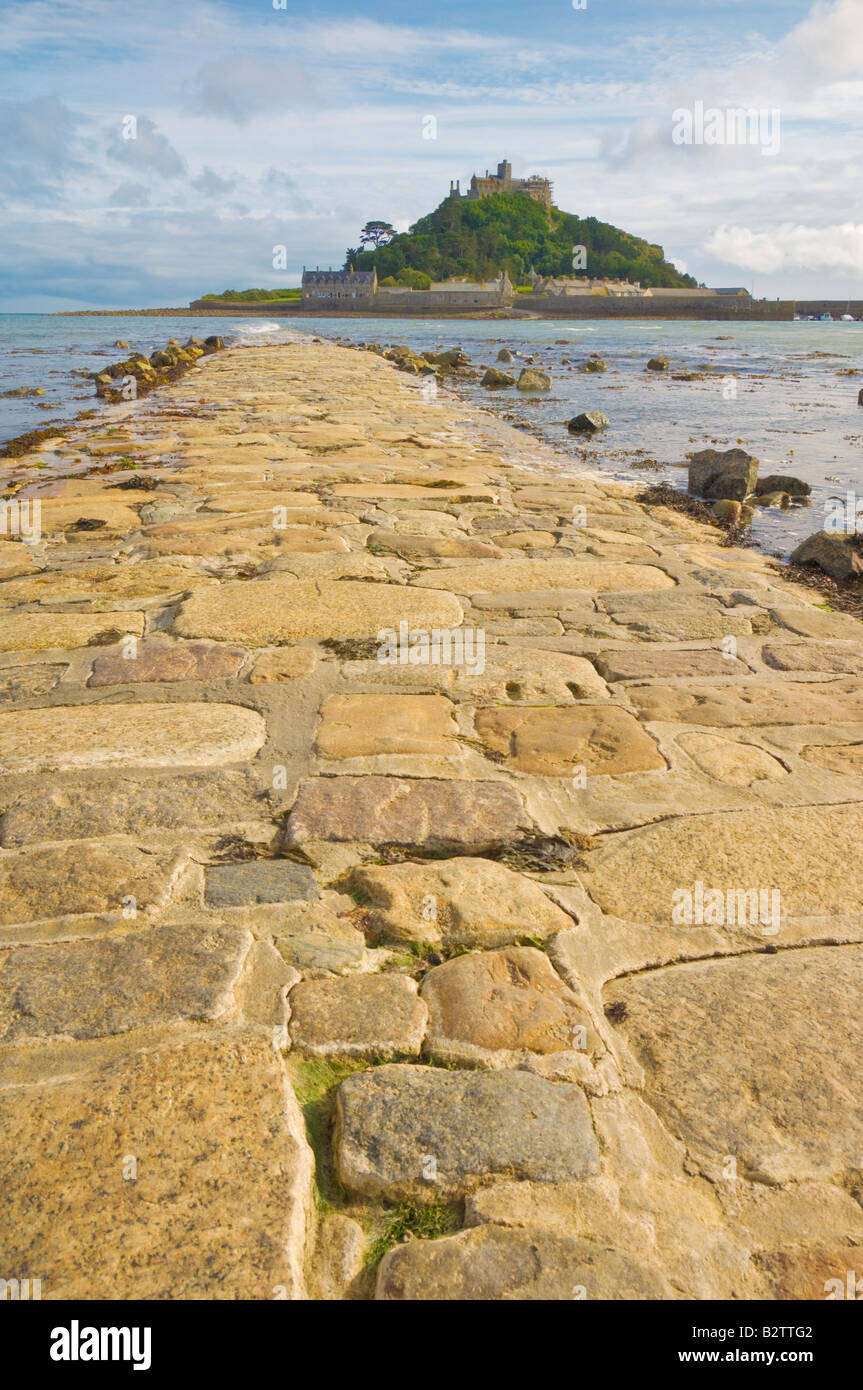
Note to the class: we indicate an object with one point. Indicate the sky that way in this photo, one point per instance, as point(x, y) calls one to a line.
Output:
point(153, 153)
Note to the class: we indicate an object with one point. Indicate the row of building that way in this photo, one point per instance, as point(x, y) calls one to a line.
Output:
point(325, 287)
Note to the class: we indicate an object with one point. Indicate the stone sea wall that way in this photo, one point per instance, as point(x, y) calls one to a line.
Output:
point(423, 874)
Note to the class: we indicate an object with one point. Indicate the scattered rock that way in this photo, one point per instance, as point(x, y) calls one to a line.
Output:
point(727, 511)
point(532, 379)
point(593, 364)
point(452, 357)
point(658, 364)
point(722, 475)
point(832, 553)
point(493, 377)
point(588, 422)
point(505, 355)
point(782, 482)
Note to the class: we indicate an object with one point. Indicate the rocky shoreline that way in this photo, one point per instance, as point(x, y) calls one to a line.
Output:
point(423, 874)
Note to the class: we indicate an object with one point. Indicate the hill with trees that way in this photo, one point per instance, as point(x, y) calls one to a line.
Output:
point(508, 231)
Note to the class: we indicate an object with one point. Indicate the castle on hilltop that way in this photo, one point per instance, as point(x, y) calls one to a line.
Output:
point(534, 187)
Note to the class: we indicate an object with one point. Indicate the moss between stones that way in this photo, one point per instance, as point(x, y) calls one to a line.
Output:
point(352, 648)
point(315, 1080)
point(422, 1223)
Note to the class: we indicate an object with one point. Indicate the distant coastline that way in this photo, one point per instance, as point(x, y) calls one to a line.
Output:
point(593, 307)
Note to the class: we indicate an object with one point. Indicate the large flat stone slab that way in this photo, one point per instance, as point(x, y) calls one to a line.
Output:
point(145, 579)
point(92, 736)
point(284, 664)
point(94, 988)
point(525, 675)
point(839, 657)
point(282, 609)
point(602, 739)
point(374, 1016)
point(726, 759)
point(37, 632)
point(501, 576)
point(756, 1057)
point(221, 1196)
point(259, 881)
point(357, 726)
point(25, 682)
point(656, 663)
point(492, 1007)
point(695, 625)
point(815, 622)
point(115, 515)
point(175, 661)
point(809, 853)
point(491, 1263)
point(456, 902)
point(76, 880)
point(846, 758)
point(755, 702)
point(179, 802)
point(426, 1135)
point(406, 811)
point(410, 547)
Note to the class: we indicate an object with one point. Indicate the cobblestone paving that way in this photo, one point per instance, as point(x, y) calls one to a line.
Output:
point(423, 874)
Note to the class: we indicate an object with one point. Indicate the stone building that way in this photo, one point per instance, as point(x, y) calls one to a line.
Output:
point(561, 285)
point(450, 294)
point(534, 187)
point(339, 284)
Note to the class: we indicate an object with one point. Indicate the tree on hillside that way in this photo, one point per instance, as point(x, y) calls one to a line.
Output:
point(377, 234)
point(478, 238)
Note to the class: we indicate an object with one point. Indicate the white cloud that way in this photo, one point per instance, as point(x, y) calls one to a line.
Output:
point(790, 247)
point(829, 42)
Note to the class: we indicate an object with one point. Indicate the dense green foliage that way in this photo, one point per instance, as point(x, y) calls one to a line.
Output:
point(412, 279)
point(508, 231)
point(244, 296)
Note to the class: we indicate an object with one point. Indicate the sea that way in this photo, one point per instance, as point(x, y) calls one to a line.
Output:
point(785, 392)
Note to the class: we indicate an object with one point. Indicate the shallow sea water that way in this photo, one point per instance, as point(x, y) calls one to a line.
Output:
point(786, 392)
